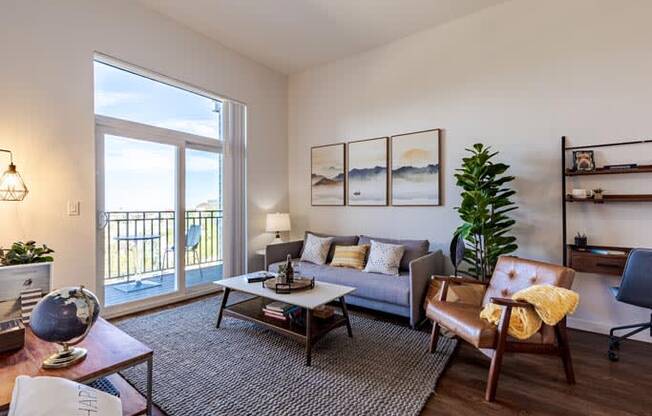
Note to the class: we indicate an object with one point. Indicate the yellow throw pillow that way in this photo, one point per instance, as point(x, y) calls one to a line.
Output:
point(350, 256)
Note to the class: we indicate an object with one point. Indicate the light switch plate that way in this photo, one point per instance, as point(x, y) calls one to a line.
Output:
point(73, 208)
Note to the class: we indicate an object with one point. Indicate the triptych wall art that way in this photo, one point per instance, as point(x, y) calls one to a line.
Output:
point(401, 170)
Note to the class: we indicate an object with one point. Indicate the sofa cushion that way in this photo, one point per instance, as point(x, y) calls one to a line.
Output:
point(350, 256)
point(338, 240)
point(380, 287)
point(384, 258)
point(315, 249)
point(413, 248)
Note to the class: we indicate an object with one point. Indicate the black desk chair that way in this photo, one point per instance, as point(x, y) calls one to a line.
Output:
point(635, 289)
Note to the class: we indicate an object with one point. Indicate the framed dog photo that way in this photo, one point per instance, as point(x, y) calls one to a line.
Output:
point(583, 160)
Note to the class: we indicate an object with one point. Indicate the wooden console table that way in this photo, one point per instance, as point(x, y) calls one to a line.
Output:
point(109, 350)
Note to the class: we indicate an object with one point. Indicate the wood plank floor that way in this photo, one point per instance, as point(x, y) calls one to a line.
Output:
point(536, 385)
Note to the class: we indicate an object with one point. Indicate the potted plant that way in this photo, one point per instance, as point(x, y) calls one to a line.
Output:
point(484, 211)
point(24, 265)
point(25, 253)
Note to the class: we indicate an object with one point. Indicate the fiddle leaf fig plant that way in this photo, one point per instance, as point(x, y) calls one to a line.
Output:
point(25, 253)
point(486, 203)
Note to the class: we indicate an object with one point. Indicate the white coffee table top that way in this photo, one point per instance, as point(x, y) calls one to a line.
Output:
point(321, 294)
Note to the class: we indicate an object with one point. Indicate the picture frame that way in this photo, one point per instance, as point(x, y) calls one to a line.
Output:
point(328, 175)
point(367, 173)
point(583, 160)
point(415, 178)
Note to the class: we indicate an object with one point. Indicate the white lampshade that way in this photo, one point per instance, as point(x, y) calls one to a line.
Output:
point(277, 222)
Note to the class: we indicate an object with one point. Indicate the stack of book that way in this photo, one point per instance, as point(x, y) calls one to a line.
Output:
point(280, 310)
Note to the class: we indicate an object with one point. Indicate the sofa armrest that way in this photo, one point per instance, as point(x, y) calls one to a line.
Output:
point(421, 270)
point(279, 252)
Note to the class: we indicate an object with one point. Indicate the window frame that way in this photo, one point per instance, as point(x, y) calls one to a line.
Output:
point(106, 125)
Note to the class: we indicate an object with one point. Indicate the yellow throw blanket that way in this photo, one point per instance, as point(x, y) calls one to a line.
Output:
point(551, 304)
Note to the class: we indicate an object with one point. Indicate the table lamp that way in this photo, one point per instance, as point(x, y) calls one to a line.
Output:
point(12, 187)
point(276, 223)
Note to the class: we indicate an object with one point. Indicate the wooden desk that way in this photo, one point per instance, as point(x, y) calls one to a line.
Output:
point(109, 350)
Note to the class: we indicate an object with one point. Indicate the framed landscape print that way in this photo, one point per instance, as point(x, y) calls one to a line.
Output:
point(327, 174)
point(415, 168)
point(367, 172)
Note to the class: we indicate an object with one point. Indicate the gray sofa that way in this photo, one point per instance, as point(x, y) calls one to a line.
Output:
point(399, 295)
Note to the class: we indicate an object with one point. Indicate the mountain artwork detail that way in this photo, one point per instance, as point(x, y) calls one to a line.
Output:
point(327, 175)
point(415, 169)
point(367, 172)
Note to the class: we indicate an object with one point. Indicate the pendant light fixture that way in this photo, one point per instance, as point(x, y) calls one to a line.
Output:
point(12, 187)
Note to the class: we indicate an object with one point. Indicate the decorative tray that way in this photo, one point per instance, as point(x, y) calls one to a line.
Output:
point(297, 284)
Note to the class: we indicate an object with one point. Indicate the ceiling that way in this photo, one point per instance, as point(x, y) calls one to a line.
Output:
point(293, 35)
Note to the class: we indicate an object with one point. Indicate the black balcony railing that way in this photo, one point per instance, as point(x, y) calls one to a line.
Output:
point(154, 252)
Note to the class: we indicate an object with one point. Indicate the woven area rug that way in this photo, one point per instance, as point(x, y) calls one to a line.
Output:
point(243, 369)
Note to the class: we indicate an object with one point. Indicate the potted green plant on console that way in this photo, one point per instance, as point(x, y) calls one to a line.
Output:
point(23, 266)
point(484, 210)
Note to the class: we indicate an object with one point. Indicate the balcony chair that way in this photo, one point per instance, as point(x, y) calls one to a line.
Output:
point(635, 289)
point(463, 319)
point(193, 238)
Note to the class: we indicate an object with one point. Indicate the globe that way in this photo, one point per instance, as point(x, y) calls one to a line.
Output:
point(65, 316)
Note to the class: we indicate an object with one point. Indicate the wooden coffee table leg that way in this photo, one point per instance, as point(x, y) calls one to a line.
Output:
point(308, 336)
point(149, 386)
point(225, 297)
point(345, 312)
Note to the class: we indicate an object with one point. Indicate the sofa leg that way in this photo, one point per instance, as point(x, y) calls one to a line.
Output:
point(434, 337)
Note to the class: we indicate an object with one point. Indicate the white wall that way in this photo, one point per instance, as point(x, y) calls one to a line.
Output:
point(46, 114)
point(516, 76)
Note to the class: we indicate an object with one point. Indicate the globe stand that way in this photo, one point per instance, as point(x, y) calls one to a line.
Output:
point(66, 357)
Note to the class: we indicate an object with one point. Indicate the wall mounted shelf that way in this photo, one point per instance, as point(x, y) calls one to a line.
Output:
point(597, 259)
point(613, 198)
point(587, 261)
point(616, 171)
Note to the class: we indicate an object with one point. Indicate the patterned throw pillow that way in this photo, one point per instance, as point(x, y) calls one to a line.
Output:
point(315, 249)
point(384, 258)
point(350, 256)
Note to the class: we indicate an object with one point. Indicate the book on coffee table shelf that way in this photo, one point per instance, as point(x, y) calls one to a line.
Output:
point(280, 310)
point(284, 311)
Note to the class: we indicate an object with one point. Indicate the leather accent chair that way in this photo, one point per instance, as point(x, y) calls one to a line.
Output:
point(510, 275)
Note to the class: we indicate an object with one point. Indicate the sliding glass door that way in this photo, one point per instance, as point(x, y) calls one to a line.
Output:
point(159, 212)
point(138, 218)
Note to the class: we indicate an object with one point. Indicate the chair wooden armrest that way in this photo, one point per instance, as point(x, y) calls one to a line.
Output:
point(511, 303)
point(458, 280)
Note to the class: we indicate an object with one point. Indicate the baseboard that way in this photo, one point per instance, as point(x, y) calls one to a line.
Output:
point(601, 328)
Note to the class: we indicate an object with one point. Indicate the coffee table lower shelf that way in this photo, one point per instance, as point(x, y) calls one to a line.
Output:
point(315, 328)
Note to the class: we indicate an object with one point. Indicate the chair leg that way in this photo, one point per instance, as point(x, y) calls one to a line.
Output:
point(434, 337)
point(564, 350)
point(201, 274)
point(497, 359)
point(494, 373)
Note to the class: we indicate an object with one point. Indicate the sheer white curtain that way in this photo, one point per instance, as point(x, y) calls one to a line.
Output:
point(234, 128)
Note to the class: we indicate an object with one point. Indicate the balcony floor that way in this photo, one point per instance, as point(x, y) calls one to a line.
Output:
point(114, 296)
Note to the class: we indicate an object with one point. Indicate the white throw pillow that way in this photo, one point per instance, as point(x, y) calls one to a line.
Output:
point(384, 258)
point(315, 249)
point(49, 396)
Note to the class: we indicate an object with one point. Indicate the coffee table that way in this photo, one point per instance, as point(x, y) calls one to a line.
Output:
point(109, 350)
point(314, 330)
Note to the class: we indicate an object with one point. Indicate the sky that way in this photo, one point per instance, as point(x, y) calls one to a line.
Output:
point(140, 175)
